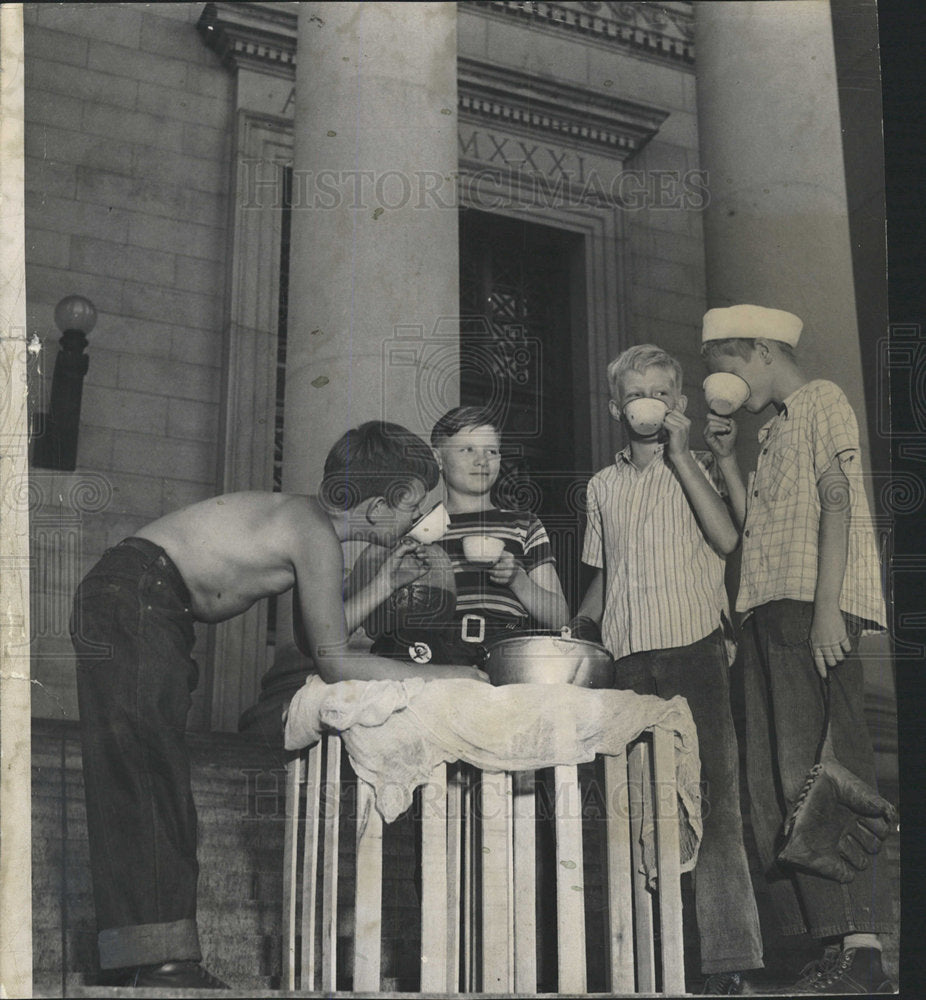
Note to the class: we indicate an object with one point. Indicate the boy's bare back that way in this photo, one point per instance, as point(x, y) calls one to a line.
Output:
point(232, 550)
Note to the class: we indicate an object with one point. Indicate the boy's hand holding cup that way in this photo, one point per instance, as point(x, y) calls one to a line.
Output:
point(407, 561)
point(725, 394)
point(491, 554)
point(720, 435)
point(505, 569)
point(678, 428)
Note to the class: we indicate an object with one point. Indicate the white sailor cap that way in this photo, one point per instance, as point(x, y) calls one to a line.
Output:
point(751, 322)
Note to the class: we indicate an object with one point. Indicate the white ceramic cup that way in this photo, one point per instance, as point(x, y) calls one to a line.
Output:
point(725, 392)
point(483, 550)
point(431, 527)
point(645, 414)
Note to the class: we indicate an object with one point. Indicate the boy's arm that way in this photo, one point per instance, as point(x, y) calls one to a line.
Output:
point(706, 503)
point(592, 605)
point(539, 591)
point(319, 569)
point(720, 436)
point(828, 638)
point(394, 572)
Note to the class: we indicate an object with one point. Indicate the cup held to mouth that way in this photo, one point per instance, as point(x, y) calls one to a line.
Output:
point(645, 414)
point(432, 526)
point(725, 392)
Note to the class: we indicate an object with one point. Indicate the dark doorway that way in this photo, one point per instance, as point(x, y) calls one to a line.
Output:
point(523, 354)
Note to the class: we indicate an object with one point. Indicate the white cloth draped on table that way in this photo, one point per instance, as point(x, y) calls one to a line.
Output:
point(397, 732)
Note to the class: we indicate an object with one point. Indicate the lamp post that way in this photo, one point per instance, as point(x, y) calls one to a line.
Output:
point(56, 446)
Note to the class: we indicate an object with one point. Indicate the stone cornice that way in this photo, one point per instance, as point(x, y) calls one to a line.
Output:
point(575, 116)
point(663, 31)
point(263, 37)
point(259, 35)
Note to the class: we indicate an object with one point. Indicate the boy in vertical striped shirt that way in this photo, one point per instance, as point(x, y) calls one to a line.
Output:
point(658, 532)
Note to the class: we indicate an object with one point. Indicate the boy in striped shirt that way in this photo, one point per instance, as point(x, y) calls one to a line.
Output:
point(521, 589)
point(658, 532)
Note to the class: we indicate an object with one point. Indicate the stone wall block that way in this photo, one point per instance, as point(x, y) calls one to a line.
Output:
point(133, 336)
point(159, 233)
point(168, 102)
point(197, 347)
point(157, 301)
point(193, 420)
point(46, 176)
point(132, 126)
point(52, 108)
point(45, 246)
point(162, 456)
point(125, 411)
point(56, 46)
point(134, 65)
point(101, 89)
point(94, 20)
point(161, 376)
point(191, 172)
point(63, 216)
point(121, 261)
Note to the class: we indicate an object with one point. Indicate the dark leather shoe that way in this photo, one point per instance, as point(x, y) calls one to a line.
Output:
point(855, 970)
point(176, 976)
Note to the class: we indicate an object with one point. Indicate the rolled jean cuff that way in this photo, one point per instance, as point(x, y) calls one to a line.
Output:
point(149, 944)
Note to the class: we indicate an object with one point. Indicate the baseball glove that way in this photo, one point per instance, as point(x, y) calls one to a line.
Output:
point(837, 824)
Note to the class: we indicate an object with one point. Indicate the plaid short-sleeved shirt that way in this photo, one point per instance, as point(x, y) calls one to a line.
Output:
point(815, 428)
point(663, 580)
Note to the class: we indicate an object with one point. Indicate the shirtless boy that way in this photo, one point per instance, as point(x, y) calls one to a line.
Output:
point(133, 632)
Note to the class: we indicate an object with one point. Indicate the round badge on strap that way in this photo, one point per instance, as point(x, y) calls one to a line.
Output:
point(420, 652)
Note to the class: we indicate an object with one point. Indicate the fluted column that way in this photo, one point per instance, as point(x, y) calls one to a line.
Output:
point(374, 283)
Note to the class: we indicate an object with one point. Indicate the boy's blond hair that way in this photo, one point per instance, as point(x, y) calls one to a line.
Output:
point(638, 359)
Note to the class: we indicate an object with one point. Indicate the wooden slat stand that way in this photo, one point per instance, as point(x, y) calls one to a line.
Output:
point(478, 849)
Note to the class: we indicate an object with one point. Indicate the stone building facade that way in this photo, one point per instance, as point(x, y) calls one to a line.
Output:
point(468, 201)
point(155, 139)
point(158, 142)
point(574, 178)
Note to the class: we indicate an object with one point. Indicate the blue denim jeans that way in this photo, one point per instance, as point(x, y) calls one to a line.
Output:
point(784, 729)
point(728, 920)
point(133, 632)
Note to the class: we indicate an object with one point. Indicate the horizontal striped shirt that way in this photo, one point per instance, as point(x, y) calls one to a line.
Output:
point(780, 539)
point(664, 583)
point(523, 535)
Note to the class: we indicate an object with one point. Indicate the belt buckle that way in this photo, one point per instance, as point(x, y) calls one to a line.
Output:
point(467, 621)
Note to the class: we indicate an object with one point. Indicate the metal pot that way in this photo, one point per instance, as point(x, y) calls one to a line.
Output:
point(548, 657)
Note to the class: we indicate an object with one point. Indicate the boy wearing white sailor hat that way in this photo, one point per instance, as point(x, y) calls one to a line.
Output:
point(809, 587)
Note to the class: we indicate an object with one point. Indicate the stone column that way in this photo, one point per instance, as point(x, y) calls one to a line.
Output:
point(374, 273)
point(776, 229)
